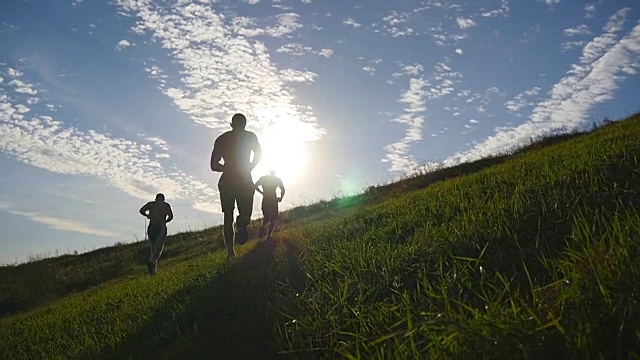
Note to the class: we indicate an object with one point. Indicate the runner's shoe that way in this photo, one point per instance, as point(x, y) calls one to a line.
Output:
point(241, 234)
point(150, 267)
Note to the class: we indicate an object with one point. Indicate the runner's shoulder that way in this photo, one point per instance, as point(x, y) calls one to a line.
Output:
point(223, 137)
point(250, 134)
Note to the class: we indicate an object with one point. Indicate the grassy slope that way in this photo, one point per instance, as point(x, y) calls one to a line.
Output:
point(534, 255)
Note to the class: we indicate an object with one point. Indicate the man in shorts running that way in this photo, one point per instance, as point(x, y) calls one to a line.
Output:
point(235, 184)
point(159, 214)
point(270, 183)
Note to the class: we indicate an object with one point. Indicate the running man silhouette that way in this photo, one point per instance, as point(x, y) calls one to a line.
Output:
point(235, 184)
point(270, 183)
point(159, 214)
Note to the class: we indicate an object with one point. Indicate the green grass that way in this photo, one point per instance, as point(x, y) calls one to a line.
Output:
point(528, 255)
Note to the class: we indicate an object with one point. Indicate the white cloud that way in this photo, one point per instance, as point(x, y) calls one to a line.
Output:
point(45, 142)
point(591, 81)
point(208, 207)
point(325, 52)
point(60, 223)
point(370, 69)
point(295, 49)
point(286, 24)
point(473, 121)
point(550, 2)
point(503, 10)
point(157, 142)
point(569, 45)
point(459, 51)
point(589, 11)
point(392, 24)
point(398, 153)
point(579, 30)
point(415, 98)
point(484, 97)
point(22, 87)
point(306, 1)
point(395, 18)
point(414, 69)
point(521, 100)
point(14, 72)
point(351, 22)
point(291, 75)
point(122, 44)
point(465, 23)
point(224, 73)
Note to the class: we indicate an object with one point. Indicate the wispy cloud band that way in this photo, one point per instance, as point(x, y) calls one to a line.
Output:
point(605, 62)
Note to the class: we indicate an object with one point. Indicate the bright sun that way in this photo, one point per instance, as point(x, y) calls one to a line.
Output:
point(284, 140)
point(284, 151)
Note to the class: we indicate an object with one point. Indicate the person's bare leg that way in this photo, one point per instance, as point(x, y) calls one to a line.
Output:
point(272, 225)
point(156, 250)
point(263, 227)
point(228, 233)
point(245, 207)
point(149, 262)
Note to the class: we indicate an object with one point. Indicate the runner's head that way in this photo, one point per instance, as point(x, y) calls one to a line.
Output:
point(272, 172)
point(160, 197)
point(238, 121)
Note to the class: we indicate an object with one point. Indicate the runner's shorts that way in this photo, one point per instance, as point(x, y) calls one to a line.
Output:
point(155, 230)
point(236, 190)
point(270, 208)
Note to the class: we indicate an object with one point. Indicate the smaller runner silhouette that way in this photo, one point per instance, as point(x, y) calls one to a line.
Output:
point(159, 214)
point(270, 200)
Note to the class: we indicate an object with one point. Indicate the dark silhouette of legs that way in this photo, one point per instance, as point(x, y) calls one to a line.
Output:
point(271, 226)
point(157, 237)
point(227, 229)
point(263, 228)
point(245, 207)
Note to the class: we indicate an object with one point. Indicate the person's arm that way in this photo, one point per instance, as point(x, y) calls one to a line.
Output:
point(216, 157)
point(257, 153)
point(144, 209)
point(257, 186)
point(169, 213)
point(281, 186)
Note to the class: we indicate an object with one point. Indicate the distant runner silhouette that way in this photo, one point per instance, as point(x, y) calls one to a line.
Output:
point(270, 183)
point(159, 214)
point(235, 184)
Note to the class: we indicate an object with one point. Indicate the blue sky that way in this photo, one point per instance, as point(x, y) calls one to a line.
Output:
point(103, 104)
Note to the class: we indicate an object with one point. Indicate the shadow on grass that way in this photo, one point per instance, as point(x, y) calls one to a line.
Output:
point(226, 318)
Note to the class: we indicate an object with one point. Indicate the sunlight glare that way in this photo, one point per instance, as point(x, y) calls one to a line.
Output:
point(284, 145)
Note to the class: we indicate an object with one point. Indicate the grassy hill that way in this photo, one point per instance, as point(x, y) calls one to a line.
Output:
point(528, 255)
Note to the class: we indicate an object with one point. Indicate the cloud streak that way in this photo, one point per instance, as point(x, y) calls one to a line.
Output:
point(414, 99)
point(130, 166)
point(605, 62)
point(578, 30)
point(465, 23)
point(62, 224)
